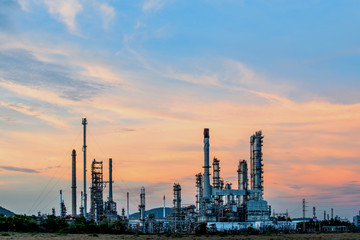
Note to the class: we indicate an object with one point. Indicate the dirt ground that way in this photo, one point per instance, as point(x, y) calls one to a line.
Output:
point(43, 236)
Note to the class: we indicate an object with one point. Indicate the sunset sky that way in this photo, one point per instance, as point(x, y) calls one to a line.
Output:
point(150, 75)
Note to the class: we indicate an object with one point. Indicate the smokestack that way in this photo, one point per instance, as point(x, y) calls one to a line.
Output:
point(242, 180)
point(73, 185)
point(164, 215)
point(207, 187)
point(127, 204)
point(61, 205)
point(110, 181)
point(84, 123)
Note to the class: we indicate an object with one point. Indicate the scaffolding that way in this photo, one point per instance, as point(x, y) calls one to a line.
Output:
point(96, 191)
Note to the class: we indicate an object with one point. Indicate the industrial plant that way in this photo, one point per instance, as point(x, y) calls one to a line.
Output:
point(218, 204)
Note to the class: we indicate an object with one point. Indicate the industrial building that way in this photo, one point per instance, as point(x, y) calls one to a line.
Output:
point(217, 203)
point(99, 209)
point(220, 202)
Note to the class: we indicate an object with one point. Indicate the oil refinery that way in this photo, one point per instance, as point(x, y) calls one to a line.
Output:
point(220, 205)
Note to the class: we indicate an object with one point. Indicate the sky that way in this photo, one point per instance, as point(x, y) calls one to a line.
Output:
point(150, 75)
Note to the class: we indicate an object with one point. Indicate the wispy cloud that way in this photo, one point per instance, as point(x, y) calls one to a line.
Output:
point(65, 11)
point(31, 111)
point(153, 5)
point(108, 14)
point(22, 67)
point(17, 169)
point(24, 4)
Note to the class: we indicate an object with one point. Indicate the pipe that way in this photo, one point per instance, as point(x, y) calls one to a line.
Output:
point(84, 123)
point(110, 181)
point(73, 185)
point(207, 186)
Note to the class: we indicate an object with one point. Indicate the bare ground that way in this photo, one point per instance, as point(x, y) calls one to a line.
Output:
point(43, 236)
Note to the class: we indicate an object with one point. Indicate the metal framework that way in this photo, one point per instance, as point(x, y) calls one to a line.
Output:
point(96, 190)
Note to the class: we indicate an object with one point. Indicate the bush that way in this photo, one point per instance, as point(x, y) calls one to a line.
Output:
point(201, 229)
point(54, 224)
point(252, 231)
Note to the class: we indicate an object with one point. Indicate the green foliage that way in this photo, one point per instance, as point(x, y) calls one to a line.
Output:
point(19, 223)
point(176, 235)
point(252, 231)
point(54, 224)
point(81, 225)
point(201, 229)
point(222, 234)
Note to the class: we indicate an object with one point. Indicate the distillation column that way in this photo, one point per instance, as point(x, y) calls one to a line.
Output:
point(242, 181)
point(199, 193)
point(177, 197)
point(207, 186)
point(256, 164)
point(142, 207)
point(216, 179)
point(84, 123)
point(73, 185)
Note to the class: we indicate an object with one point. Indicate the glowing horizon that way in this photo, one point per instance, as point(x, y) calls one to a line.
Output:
point(150, 75)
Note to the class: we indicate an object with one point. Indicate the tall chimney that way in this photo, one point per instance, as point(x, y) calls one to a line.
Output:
point(164, 214)
point(110, 181)
point(61, 205)
point(84, 123)
point(127, 204)
point(73, 185)
point(207, 187)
